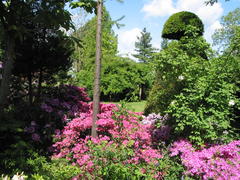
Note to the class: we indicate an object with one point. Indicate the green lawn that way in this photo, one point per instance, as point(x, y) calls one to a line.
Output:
point(132, 106)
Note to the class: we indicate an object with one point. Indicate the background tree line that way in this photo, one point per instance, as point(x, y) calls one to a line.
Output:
point(122, 78)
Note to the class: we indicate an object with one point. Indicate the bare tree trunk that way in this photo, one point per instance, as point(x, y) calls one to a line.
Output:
point(97, 78)
point(140, 92)
point(7, 72)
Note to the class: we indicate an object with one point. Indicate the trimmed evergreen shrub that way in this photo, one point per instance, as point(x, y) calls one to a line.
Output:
point(176, 26)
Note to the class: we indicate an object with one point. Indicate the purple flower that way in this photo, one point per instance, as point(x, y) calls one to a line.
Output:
point(47, 126)
point(29, 129)
point(54, 102)
point(162, 133)
point(46, 108)
point(33, 123)
point(35, 137)
point(66, 105)
point(57, 131)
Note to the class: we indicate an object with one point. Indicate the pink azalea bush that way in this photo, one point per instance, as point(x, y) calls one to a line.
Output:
point(116, 131)
point(220, 162)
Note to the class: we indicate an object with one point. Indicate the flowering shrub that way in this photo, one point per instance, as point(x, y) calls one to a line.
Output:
point(117, 131)
point(220, 162)
point(60, 105)
point(160, 131)
point(66, 101)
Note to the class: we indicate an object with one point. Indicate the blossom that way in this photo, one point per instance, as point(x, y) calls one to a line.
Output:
point(18, 177)
point(125, 131)
point(173, 102)
point(231, 103)
point(181, 77)
point(47, 126)
point(33, 123)
point(35, 137)
point(29, 129)
point(46, 107)
point(208, 162)
point(57, 131)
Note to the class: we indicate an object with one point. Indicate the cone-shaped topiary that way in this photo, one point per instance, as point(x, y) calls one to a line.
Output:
point(175, 26)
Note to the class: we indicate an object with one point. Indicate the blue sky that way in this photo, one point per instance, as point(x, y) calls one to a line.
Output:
point(153, 13)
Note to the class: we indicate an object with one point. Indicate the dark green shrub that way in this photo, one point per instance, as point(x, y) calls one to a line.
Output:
point(176, 26)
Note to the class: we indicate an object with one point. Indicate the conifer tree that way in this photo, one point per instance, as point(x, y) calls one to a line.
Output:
point(143, 47)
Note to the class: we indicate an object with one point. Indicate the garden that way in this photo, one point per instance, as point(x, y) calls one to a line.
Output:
point(172, 114)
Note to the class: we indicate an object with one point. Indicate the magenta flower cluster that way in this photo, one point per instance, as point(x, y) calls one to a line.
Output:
point(115, 129)
point(220, 162)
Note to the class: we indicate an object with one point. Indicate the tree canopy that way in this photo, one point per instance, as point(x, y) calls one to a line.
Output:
point(228, 35)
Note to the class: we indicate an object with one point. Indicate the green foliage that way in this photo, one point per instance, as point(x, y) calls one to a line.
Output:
point(143, 47)
point(199, 94)
point(212, 2)
point(85, 56)
point(89, 6)
point(195, 92)
point(13, 159)
point(54, 169)
point(21, 156)
point(228, 36)
point(175, 27)
point(121, 78)
point(39, 168)
point(110, 160)
point(171, 167)
point(172, 65)
point(203, 110)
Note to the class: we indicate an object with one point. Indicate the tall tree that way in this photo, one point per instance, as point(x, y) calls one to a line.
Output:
point(86, 54)
point(97, 78)
point(143, 47)
point(96, 98)
point(13, 14)
point(228, 35)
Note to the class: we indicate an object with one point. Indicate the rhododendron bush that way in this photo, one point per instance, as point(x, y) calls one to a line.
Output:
point(117, 131)
point(220, 162)
point(59, 106)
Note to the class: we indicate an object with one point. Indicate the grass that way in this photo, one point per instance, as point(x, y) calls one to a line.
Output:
point(132, 106)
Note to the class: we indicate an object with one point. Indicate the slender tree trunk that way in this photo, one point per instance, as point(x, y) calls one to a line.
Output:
point(7, 71)
point(97, 78)
point(140, 92)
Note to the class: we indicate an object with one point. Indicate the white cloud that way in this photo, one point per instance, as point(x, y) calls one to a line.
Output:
point(210, 15)
point(211, 29)
point(159, 8)
point(126, 41)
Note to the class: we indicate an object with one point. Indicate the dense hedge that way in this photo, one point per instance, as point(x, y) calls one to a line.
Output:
point(175, 26)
